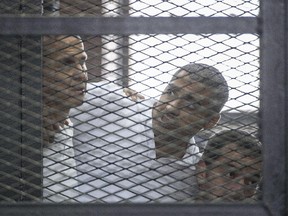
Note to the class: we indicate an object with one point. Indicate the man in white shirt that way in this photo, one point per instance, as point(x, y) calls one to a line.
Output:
point(64, 86)
point(144, 151)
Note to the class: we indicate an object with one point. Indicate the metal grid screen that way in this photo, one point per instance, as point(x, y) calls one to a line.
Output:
point(131, 117)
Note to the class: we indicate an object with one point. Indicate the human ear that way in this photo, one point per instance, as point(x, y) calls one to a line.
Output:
point(212, 121)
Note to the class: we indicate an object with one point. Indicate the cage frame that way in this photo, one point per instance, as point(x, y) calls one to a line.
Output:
point(271, 25)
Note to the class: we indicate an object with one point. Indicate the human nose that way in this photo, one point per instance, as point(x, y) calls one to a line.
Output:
point(237, 185)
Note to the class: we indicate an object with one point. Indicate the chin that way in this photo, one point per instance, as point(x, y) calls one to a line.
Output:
point(73, 102)
point(77, 103)
point(235, 198)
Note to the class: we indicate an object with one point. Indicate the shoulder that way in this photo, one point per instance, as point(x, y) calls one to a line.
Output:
point(169, 164)
point(103, 87)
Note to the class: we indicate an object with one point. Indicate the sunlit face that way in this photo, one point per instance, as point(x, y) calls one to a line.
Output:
point(64, 72)
point(233, 176)
point(183, 108)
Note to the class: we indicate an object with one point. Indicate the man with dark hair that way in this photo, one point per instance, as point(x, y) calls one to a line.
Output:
point(230, 167)
point(119, 141)
point(209, 76)
point(64, 87)
point(192, 101)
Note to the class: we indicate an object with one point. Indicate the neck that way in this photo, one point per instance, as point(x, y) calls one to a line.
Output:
point(204, 196)
point(56, 114)
point(170, 146)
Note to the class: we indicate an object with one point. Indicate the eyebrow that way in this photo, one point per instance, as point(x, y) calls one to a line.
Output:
point(235, 165)
point(72, 57)
point(193, 97)
point(64, 59)
point(172, 86)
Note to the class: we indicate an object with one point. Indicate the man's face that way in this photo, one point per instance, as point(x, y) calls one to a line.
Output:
point(233, 176)
point(64, 72)
point(183, 108)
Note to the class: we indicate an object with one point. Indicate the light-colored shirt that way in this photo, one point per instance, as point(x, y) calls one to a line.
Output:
point(115, 147)
point(59, 168)
point(168, 180)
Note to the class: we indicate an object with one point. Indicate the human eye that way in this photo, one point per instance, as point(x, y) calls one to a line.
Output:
point(171, 92)
point(231, 171)
point(191, 103)
point(68, 61)
point(251, 181)
point(231, 174)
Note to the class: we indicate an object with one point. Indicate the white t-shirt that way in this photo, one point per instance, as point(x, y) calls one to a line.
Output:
point(114, 145)
point(59, 173)
point(168, 180)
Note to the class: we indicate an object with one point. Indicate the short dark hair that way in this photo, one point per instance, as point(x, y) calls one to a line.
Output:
point(210, 77)
point(242, 138)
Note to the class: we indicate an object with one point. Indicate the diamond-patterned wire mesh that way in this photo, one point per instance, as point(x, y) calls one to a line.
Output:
point(115, 138)
point(183, 8)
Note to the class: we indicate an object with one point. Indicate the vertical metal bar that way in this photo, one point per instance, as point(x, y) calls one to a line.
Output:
point(123, 49)
point(274, 103)
point(10, 119)
point(125, 61)
point(20, 116)
point(31, 86)
point(93, 45)
point(285, 177)
point(93, 48)
point(10, 112)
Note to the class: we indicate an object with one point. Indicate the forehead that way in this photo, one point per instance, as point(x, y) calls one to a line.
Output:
point(239, 157)
point(63, 45)
point(183, 82)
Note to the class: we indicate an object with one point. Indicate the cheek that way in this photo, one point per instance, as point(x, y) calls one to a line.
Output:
point(158, 108)
point(249, 192)
point(217, 187)
point(192, 119)
point(216, 180)
point(56, 78)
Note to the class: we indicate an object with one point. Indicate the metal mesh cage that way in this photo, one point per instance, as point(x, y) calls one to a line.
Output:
point(126, 151)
